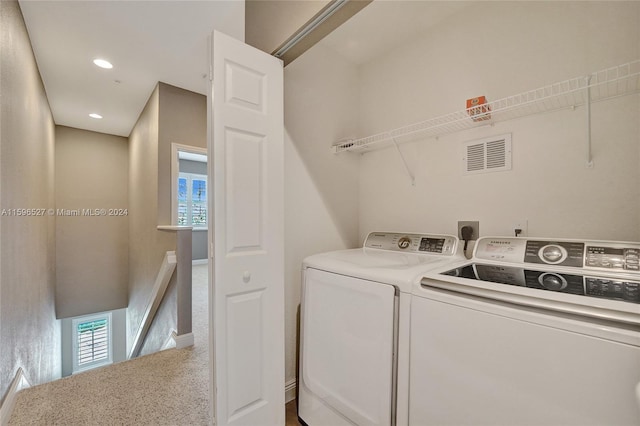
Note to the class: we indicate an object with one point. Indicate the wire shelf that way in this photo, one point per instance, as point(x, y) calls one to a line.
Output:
point(606, 84)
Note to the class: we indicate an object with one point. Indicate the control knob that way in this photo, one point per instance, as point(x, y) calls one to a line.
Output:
point(404, 242)
point(552, 254)
point(552, 282)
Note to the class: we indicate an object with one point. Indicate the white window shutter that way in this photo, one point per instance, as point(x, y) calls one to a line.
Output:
point(192, 200)
point(92, 342)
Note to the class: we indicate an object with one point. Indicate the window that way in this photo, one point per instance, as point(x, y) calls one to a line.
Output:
point(192, 200)
point(91, 342)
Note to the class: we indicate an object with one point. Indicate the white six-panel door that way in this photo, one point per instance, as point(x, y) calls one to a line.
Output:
point(246, 234)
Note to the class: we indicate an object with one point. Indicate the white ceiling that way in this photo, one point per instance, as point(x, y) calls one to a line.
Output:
point(151, 41)
point(146, 41)
point(386, 24)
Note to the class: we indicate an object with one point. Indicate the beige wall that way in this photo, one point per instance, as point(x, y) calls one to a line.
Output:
point(92, 271)
point(320, 98)
point(182, 120)
point(147, 245)
point(171, 115)
point(29, 331)
point(500, 49)
point(269, 23)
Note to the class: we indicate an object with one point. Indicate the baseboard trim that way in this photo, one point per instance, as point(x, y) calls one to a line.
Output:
point(19, 383)
point(200, 261)
point(184, 340)
point(170, 342)
point(178, 341)
point(290, 390)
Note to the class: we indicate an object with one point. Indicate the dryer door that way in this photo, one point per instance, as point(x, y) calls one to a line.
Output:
point(347, 350)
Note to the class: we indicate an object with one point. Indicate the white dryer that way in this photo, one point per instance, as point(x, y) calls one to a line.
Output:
point(354, 332)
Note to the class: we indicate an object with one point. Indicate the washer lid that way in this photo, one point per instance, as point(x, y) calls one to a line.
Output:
point(601, 287)
point(388, 267)
point(566, 290)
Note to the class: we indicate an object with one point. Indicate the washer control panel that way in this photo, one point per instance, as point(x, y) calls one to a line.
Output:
point(617, 258)
point(599, 255)
point(555, 253)
point(413, 243)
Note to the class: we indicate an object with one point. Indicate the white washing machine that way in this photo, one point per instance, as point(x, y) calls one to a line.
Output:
point(529, 332)
point(354, 332)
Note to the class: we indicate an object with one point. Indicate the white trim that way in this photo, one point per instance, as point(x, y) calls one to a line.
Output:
point(184, 340)
point(200, 262)
point(19, 383)
point(170, 342)
point(175, 170)
point(192, 156)
point(174, 228)
point(290, 390)
point(178, 341)
point(159, 288)
point(309, 27)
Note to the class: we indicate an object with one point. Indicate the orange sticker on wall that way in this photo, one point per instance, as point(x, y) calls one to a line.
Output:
point(478, 109)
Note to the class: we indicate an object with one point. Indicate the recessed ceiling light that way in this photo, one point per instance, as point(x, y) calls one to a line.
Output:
point(94, 115)
point(102, 63)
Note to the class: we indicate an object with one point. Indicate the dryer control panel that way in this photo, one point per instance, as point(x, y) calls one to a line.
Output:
point(445, 245)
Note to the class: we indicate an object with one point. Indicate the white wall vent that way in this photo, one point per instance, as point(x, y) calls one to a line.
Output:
point(486, 155)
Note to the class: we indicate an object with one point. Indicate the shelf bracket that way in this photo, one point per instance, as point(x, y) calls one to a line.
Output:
point(588, 112)
point(412, 177)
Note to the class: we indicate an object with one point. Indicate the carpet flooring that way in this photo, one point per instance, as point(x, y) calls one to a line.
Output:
point(166, 388)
